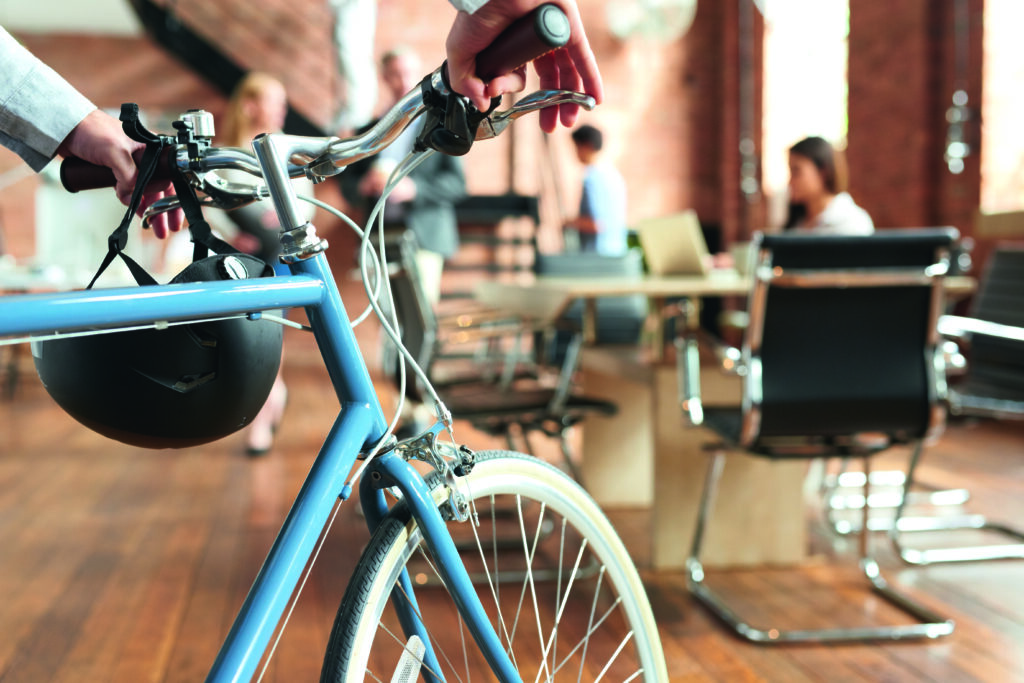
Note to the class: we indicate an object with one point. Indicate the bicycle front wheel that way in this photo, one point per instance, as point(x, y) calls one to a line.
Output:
point(553, 575)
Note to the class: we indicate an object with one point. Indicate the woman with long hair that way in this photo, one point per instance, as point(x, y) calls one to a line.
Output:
point(259, 105)
point(818, 199)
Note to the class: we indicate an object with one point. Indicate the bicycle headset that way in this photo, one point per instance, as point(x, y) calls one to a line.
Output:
point(175, 387)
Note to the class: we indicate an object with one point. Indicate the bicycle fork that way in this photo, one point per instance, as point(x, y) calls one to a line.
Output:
point(391, 470)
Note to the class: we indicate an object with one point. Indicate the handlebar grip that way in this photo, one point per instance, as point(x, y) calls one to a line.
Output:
point(544, 29)
point(77, 174)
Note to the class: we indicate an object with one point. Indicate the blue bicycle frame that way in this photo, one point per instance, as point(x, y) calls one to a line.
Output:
point(360, 424)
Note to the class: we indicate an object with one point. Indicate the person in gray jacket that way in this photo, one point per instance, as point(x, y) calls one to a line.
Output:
point(423, 202)
point(42, 115)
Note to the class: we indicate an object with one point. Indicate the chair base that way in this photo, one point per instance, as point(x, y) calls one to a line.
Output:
point(975, 553)
point(929, 623)
point(843, 493)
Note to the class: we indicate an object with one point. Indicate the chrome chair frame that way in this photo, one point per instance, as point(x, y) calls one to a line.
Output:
point(751, 436)
point(991, 386)
point(961, 328)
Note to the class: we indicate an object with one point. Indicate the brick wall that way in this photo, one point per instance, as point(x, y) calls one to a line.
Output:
point(291, 40)
point(902, 75)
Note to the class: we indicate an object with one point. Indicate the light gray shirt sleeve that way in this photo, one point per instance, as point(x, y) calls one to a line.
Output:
point(38, 108)
point(468, 6)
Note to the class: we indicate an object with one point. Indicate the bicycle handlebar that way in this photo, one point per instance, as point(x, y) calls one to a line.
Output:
point(546, 28)
point(537, 33)
point(77, 174)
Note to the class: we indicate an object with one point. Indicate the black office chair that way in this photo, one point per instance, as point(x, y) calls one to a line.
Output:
point(994, 382)
point(840, 359)
point(992, 387)
point(502, 403)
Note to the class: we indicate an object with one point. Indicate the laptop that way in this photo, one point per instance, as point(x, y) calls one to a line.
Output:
point(674, 245)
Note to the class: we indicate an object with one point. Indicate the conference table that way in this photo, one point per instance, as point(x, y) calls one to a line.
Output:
point(645, 456)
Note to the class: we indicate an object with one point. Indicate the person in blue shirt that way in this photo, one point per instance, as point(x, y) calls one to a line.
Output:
point(601, 223)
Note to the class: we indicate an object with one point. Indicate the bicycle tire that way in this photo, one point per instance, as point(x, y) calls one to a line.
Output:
point(610, 610)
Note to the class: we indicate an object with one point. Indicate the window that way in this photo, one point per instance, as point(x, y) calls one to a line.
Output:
point(805, 84)
point(1002, 136)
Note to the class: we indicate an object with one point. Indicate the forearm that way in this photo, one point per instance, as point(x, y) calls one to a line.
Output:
point(38, 109)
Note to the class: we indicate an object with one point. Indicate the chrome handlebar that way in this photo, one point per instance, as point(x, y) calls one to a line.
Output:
point(319, 158)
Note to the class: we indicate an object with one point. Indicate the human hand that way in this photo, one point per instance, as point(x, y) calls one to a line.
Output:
point(376, 180)
point(99, 139)
point(372, 184)
point(572, 67)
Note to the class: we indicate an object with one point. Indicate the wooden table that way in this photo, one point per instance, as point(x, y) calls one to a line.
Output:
point(546, 298)
point(644, 456)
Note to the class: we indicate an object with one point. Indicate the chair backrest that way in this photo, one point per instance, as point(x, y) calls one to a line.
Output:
point(842, 334)
point(999, 363)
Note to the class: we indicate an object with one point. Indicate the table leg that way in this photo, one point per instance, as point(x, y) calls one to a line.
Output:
point(644, 456)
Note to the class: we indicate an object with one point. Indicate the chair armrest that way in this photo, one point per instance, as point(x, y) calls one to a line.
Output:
point(688, 361)
point(961, 330)
point(960, 327)
point(688, 366)
point(688, 379)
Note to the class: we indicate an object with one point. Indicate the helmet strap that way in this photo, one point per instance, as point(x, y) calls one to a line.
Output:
point(203, 239)
point(118, 239)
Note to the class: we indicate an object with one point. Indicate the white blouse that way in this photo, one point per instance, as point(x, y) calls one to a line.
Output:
point(841, 217)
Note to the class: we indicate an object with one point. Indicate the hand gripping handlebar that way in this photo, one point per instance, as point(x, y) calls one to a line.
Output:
point(452, 126)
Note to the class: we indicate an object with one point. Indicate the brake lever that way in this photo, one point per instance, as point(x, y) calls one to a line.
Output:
point(218, 193)
point(497, 122)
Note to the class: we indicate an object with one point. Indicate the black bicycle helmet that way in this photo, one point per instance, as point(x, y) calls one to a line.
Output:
point(169, 388)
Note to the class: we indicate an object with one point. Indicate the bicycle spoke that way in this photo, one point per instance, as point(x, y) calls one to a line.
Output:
point(558, 558)
point(561, 608)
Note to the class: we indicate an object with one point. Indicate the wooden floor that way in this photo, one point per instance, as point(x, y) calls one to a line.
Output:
point(118, 564)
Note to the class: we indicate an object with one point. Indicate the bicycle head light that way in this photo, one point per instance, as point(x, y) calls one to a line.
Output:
point(180, 386)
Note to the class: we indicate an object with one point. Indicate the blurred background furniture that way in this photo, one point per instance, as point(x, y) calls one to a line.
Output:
point(501, 401)
point(992, 386)
point(840, 359)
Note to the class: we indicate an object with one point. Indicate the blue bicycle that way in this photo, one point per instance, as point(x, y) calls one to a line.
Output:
point(495, 565)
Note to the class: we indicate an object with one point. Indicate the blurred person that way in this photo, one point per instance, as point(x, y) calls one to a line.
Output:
point(818, 199)
point(258, 105)
point(424, 201)
point(601, 223)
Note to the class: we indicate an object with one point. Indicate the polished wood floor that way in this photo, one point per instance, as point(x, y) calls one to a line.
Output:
point(118, 564)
